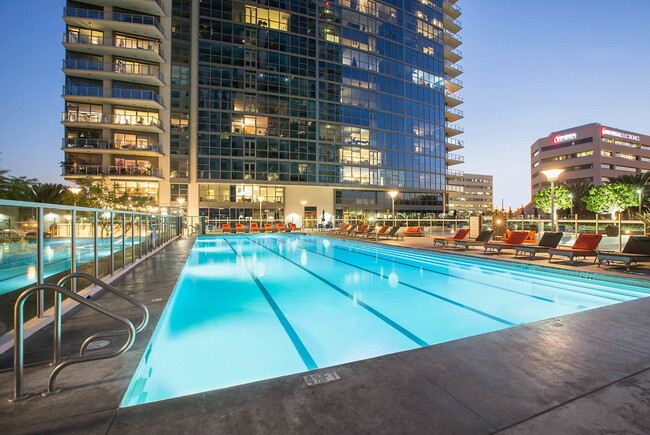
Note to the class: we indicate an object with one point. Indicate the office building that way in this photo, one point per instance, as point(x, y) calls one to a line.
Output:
point(476, 196)
point(589, 153)
point(314, 108)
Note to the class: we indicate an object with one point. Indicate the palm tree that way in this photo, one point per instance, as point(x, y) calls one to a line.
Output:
point(579, 190)
point(50, 193)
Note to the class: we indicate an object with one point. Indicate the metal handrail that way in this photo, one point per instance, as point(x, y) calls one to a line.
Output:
point(105, 286)
point(19, 338)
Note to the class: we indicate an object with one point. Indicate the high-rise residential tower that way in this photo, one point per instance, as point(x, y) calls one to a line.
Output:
point(313, 108)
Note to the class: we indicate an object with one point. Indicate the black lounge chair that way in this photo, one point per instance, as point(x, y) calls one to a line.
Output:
point(636, 250)
point(482, 238)
point(392, 234)
point(548, 241)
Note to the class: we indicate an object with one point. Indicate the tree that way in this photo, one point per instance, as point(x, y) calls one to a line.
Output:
point(542, 199)
point(579, 190)
point(611, 198)
point(16, 188)
point(50, 193)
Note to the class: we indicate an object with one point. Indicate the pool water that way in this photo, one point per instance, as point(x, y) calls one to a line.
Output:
point(248, 308)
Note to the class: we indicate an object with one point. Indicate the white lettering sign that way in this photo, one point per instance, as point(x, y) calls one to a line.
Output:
point(564, 137)
point(607, 132)
point(321, 378)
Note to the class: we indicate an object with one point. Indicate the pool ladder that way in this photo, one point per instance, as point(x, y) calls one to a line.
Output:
point(58, 363)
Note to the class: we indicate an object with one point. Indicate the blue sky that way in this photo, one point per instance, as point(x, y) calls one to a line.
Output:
point(531, 67)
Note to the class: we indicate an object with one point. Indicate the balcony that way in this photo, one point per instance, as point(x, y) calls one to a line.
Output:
point(142, 123)
point(141, 25)
point(454, 144)
point(453, 26)
point(129, 72)
point(453, 85)
point(454, 189)
point(451, 39)
point(122, 97)
point(91, 146)
point(71, 170)
point(452, 129)
point(141, 49)
point(455, 175)
point(452, 114)
point(450, 9)
point(454, 159)
point(153, 7)
point(452, 54)
point(453, 69)
point(452, 99)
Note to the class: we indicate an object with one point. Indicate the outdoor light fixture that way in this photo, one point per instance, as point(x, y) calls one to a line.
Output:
point(571, 198)
point(640, 192)
point(75, 191)
point(261, 200)
point(393, 194)
point(552, 175)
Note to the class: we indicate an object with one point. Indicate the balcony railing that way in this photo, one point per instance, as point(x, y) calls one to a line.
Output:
point(455, 142)
point(453, 65)
point(98, 118)
point(454, 111)
point(454, 36)
point(75, 169)
point(453, 6)
point(454, 96)
point(113, 16)
point(453, 173)
point(454, 81)
point(452, 188)
point(453, 126)
point(93, 91)
point(102, 144)
point(139, 44)
point(457, 22)
point(456, 157)
point(118, 67)
point(455, 51)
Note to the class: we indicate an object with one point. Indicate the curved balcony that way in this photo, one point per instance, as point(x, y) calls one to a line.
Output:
point(153, 7)
point(454, 159)
point(450, 9)
point(128, 72)
point(453, 26)
point(452, 100)
point(71, 170)
point(454, 144)
point(141, 25)
point(110, 146)
point(452, 54)
point(452, 114)
point(141, 49)
point(453, 69)
point(452, 129)
point(452, 39)
point(142, 123)
point(453, 85)
point(122, 97)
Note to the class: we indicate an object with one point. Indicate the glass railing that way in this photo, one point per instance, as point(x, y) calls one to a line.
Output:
point(455, 142)
point(457, 23)
point(113, 16)
point(454, 111)
point(455, 51)
point(98, 118)
point(132, 43)
point(456, 157)
point(117, 67)
point(95, 91)
point(453, 65)
point(75, 169)
point(102, 144)
point(453, 6)
point(452, 188)
point(453, 95)
point(453, 36)
point(454, 173)
point(453, 126)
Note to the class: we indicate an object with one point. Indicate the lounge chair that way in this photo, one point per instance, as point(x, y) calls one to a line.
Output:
point(293, 227)
point(240, 228)
point(365, 233)
point(269, 228)
point(414, 232)
point(281, 227)
point(636, 250)
point(482, 238)
point(380, 231)
point(351, 230)
point(340, 230)
point(255, 227)
point(516, 239)
point(392, 234)
point(362, 229)
point(585, 246)
point(460, 235)
point(548, 241)
point(225, 228)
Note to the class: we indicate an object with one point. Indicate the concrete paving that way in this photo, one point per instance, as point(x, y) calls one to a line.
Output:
point(582, 373)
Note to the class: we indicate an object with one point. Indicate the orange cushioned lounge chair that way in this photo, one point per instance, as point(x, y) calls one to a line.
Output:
point(585, 246)
point(281, 227)
point(516, 238)
point(460, 235)
point(255, 227)
point(240, 228)
point(226, 228)
point(341, 230)
point(360, 230)
point(377, 233)
point(293, 227)
point(269, 227)
point(414, 231)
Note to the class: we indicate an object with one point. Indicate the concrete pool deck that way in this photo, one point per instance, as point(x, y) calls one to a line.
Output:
point(580, 373)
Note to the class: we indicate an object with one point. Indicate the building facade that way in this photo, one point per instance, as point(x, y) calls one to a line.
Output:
point(476, 196)
point(589, 153)
point(315, 109)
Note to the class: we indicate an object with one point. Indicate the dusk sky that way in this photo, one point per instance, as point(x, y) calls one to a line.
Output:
point(530, 68)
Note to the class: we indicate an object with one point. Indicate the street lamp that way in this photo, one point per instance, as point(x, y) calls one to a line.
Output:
point(552, 175)
point(640, 192)
point(261, 200)
point(75, 191)
point(393, 194)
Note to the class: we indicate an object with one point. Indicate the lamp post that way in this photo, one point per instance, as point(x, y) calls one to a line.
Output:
point(552, 175)
point(303, 202)
point(75, 191)
point(393, 194)
point(640, 192)
point(180, 204)
point(261, 200)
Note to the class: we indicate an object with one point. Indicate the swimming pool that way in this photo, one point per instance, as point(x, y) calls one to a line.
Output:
point(248, 308)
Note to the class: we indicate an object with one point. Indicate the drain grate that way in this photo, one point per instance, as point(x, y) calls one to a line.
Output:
point(98, 344)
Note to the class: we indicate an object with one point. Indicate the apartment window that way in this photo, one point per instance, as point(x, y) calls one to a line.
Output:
point(76, 112)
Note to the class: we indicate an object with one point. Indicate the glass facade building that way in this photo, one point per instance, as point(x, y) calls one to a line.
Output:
point(310, 107)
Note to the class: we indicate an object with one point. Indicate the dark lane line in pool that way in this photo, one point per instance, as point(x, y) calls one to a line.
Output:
point(389, 321)
point(293, 336)
point(421, 290)
point(438, 272)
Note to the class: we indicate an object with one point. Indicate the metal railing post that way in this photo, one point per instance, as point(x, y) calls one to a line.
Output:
point(132, 237)
point(73, 248)
point(95, 256)
point(40, 277)
point(112, 235)
point(123, 239)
